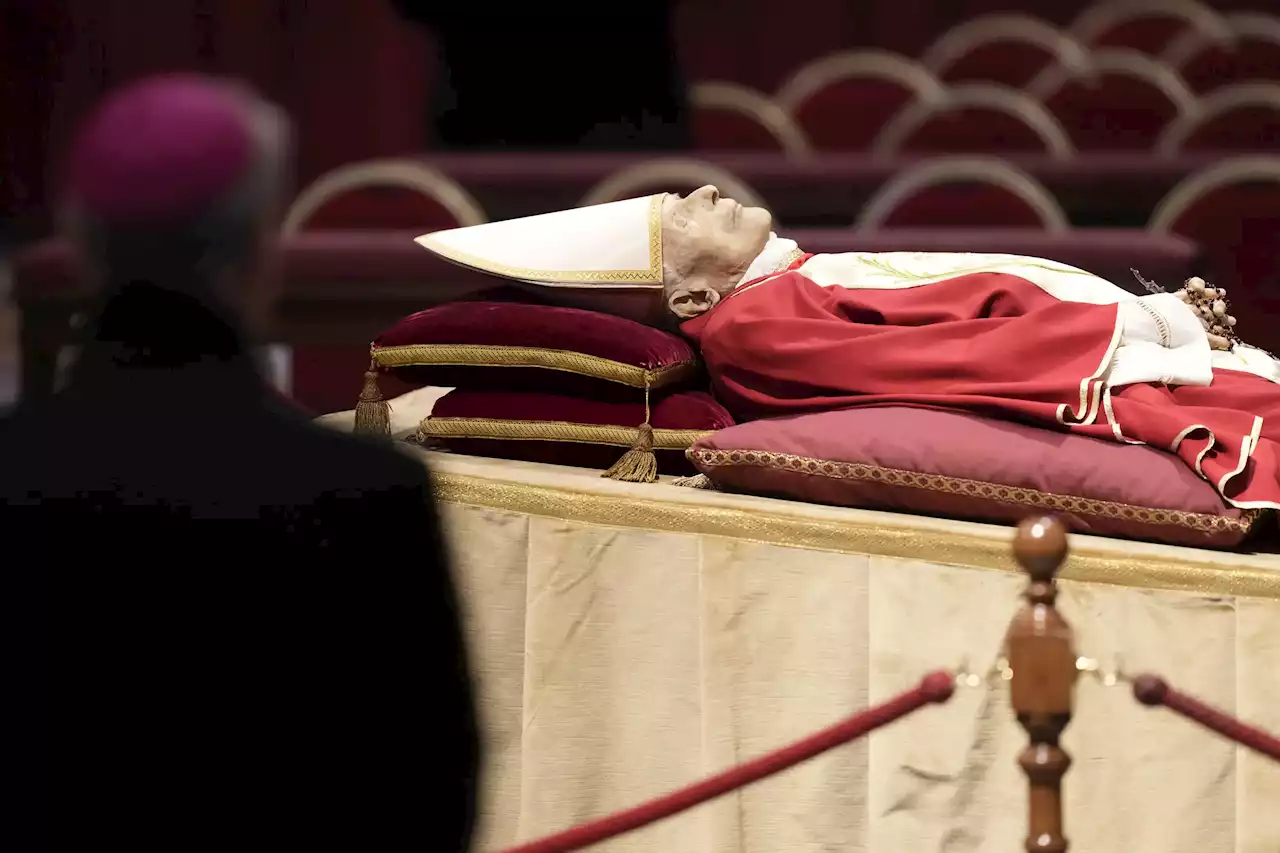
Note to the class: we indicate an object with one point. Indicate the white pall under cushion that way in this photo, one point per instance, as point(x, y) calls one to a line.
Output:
point(407, 411)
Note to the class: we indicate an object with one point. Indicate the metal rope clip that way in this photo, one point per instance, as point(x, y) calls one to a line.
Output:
point(1107, 677)
point(1000, 671)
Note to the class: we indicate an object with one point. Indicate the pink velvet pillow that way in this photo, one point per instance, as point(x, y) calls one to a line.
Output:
point(935, 462)
point(537, 427)
point(518, 345)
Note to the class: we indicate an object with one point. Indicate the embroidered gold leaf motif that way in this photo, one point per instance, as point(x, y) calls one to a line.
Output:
point(880, 265)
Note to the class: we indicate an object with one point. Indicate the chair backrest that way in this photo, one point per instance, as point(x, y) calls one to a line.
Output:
point(841, 100)
point(1015, 198)
point(1253, 54)
point(364, 195)
point(1191, 190)
point(670, 174)
point(1009, 121)
point(1245, 116)
point(1147, 25)
point(1003, 48)
point(1232, 209)
point(1118, 62)
point(767, 126)
point(816, 75)
point(1124, 102)
point(1241, 26)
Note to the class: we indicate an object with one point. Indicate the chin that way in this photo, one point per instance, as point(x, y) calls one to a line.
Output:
point(758, 220)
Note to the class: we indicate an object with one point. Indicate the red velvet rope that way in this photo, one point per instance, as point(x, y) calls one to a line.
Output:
point(934, 687)
point(1153, 690)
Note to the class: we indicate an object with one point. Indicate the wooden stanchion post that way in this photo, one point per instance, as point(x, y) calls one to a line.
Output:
point(1042, 658)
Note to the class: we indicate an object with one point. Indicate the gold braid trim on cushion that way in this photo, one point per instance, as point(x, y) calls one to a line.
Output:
point(663, 439)
point(1202, 522)
point(475, 355)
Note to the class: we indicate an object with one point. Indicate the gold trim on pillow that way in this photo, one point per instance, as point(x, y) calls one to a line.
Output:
point(902, 536)
point(477, 355)
point(1200, 522)
point(505, 430)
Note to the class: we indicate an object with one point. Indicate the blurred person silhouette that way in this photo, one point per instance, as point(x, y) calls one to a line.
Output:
point(251, 636)
point(547, 75)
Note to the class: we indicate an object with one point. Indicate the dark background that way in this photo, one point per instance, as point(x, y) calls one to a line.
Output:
point(358, 78)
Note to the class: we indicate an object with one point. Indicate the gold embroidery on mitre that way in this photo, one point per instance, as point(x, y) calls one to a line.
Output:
point(521, 430)
point(474, 355)
point(648, 279)
point(861, 471)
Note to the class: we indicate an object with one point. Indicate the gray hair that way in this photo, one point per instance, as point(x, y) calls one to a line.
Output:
point(194, 251)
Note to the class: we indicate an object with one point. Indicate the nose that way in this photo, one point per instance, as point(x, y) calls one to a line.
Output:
point(710, 193)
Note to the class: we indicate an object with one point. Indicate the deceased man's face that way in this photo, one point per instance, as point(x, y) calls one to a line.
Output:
point(707, 244)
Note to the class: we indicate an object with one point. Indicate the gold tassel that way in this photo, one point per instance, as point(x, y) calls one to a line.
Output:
point(697, 481)
point(373, 414)
point(638, 465)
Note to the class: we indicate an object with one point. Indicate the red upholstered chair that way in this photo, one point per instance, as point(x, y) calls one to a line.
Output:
point(402, 195)
point(1124, 102)
point(1008, 49)
point(670, 174)
point(1243, 117)
point(975, 118)
point(841, 101)
point(963, 192)
point(1149, 27)
point(1232, 209)
point(382, 194)
point(727, 116)
point(1253, 54)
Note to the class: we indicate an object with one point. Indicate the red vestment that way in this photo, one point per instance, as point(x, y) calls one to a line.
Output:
point(991, 343)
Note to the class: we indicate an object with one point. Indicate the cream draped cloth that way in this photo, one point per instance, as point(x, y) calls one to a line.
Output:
point(629, 639)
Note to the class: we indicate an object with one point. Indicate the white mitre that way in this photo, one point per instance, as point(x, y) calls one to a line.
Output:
point(606, 257)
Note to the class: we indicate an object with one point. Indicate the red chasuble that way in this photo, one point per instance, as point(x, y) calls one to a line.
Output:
point(990, 342)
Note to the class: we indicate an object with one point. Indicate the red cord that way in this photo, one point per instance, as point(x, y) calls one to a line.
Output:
point(1153, 690)
point(934, 687)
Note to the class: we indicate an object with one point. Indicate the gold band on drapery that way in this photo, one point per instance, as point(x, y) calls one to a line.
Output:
point(978, 546)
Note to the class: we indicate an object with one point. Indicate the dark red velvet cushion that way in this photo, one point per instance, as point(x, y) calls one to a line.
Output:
point(964, 466)
point(516, 345)
point(537, 427)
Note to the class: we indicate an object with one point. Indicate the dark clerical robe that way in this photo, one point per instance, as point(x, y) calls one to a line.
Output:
point(1001, 335)
point(233, 629)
